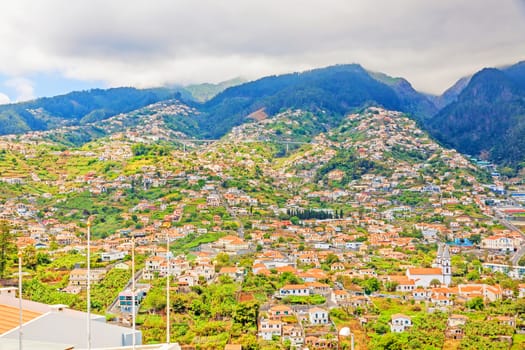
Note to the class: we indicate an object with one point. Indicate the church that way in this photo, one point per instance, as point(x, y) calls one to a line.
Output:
point(441, 270)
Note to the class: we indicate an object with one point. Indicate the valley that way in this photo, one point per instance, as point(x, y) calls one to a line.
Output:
point(282, 231)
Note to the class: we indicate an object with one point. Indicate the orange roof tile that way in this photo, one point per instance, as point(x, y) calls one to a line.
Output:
point(425, 271)
point(295, 286)
point(9, 317)
point(227, 269)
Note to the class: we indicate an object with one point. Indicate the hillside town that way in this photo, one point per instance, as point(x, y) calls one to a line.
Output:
point(273, 237)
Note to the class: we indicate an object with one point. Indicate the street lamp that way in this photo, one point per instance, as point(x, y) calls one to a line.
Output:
point(345, 333)
point(88, 253)
point(168, 277)
point(20, 300)
point(133, 316)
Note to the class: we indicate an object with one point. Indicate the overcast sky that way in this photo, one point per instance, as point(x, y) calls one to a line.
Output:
point(54, 46)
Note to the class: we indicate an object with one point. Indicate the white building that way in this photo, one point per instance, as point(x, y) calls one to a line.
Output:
point(79, 277)
point(269, 328)
point(400, 323)
point(296, 290)
point(294, 334)
point(442, 270)
point(316, 315)
point(501, 243)
point(112, 256)
point(57, 324)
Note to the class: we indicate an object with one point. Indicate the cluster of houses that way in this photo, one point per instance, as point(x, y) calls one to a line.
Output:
point(300, 326)
point(375, 227)
point(187, 273)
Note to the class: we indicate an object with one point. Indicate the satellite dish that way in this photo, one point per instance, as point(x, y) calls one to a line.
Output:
point(344, 332)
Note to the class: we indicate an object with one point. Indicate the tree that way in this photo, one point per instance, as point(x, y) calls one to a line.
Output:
point(139, 149)
point(295, 220)
point(29, 257)
point(476, 238)
point(473, 275)
point(435, 282)
point(42, 258)
point(53, 245)
point(331, 258)
point(475, 304)
point(155, 300)
point(180, 303)
point(371, 285)
point(246, 313)
point(221, 260)
point(7, 246)
point(391, 286)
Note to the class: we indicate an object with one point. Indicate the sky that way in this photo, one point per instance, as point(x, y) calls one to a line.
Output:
point(56, 46)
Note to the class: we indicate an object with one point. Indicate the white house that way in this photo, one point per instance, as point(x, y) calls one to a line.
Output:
point(353, 245)
point(269, 328)
point(421, 294)
point(188, 280)
point(294, 334)
point(112, 256)
point(295, 289)
point(79, 277)
point(322, 246)
point(317, 315)
point(340, 296)
point(400, 323)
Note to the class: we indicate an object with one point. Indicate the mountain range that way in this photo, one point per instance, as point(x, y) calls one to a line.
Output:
point(482, 115)
point(487, 117)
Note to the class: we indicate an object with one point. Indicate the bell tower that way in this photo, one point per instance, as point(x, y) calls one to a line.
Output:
point(446, 266)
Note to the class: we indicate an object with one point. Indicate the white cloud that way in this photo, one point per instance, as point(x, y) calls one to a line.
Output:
point(147, 43)
point(4, 99)
point(23, 88)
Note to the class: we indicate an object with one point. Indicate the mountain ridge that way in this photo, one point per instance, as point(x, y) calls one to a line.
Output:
point(487, 118)
point(480, 114)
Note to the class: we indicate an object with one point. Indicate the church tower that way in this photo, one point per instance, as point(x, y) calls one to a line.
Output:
point(446, 266)
point(437, 262)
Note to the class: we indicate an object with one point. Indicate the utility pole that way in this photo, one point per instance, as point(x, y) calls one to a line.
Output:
point(133, 289)
point(21, 322)
point(168, 277)
point(89, 284)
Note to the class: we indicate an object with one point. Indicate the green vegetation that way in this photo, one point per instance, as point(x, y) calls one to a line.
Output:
point(192, 241)
point(7, 246)
point(411, 198)
point(468, 123)
point(46, 293)
point(427, 332)
point(105, 292)
point(80, 107)
point(309, 300)
point(209, 316)
point(353, 167)
point(485, 335)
